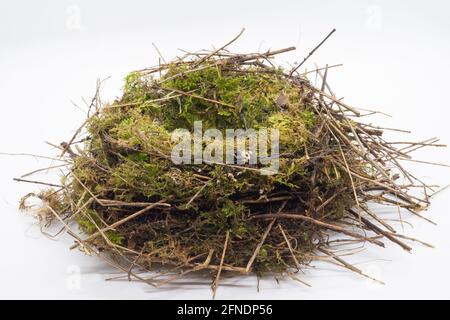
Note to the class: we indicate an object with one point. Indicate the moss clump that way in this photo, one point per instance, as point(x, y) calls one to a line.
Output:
point(133, 202)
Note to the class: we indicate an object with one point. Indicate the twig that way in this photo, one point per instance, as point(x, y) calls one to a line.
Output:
point(120, 222)
point(220, 49)
point(38, 182)
point(312, 52)
point(318, 223)
point(216, 281)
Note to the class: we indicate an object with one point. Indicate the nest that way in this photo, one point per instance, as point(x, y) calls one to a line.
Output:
point(139, 210)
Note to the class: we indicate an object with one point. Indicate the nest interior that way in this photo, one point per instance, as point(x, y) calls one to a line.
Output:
point(138, 209)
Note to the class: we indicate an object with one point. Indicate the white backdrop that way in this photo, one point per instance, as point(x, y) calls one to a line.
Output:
point(395, 57)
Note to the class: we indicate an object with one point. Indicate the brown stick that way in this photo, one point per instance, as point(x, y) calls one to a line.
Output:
point(378, 230)
point(216, 282)
point(312, 52)
point(317, 223)
point(118, 223)
point(348, 265)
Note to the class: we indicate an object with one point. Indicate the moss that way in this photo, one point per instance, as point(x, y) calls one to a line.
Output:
point(249, 98)
point(89, 222)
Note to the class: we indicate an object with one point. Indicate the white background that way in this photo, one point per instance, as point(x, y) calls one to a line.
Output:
point(395, 57)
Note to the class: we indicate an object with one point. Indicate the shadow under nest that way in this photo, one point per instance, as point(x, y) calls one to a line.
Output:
point(138, 210)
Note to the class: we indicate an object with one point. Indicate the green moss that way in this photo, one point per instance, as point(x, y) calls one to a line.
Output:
point(89, 222)
point(247, 99)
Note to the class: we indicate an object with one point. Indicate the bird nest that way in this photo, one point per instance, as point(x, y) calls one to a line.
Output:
point(141, 211)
